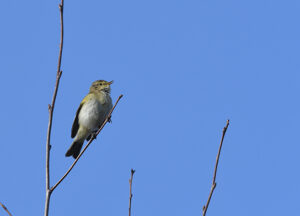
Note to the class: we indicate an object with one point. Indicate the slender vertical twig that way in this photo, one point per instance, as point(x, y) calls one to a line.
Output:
point(214, 184)
point(130, 193)
point(51, 109)
point(87, 145)
point(5, 209)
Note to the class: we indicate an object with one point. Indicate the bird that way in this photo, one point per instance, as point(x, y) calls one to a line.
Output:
point(90, 115)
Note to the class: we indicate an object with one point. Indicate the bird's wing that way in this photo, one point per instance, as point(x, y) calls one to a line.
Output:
point(75, 125)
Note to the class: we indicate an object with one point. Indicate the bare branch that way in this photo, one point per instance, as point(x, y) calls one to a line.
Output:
point(87, 145)
point(51, 109)
point(130, 186)
point(5, 209)
point(214, 184)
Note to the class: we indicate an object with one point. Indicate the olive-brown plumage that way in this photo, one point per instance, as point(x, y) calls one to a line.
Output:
point(90, 115)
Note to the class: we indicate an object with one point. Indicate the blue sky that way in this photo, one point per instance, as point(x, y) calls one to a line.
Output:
point(184, 67)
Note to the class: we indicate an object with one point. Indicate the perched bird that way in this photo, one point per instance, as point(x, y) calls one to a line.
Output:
point(90, 115)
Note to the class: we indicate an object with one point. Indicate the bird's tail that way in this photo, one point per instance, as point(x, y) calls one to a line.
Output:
point(75, 148)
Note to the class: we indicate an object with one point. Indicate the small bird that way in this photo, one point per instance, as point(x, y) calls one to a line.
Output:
point(90, 115)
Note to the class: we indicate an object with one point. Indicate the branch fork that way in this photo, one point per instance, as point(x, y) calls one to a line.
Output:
point(49, 189)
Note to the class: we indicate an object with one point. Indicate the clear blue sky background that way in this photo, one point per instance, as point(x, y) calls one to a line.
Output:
point(184, 67)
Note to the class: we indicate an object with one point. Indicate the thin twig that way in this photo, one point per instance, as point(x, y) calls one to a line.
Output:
point(87, 145)
point(5, 209)
point(51, 109)
point(214, 184)
point(130, 194)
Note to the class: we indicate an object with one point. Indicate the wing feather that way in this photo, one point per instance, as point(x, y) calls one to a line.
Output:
point(75, 125)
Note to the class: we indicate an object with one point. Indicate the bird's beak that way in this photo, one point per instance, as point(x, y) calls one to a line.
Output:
point(111, 82)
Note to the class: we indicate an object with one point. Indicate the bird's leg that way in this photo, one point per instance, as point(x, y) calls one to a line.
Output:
point(94, 135)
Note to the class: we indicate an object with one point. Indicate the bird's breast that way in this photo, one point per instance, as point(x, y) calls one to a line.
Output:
point(92, 114)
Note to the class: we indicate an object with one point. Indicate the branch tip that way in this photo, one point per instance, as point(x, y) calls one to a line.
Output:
point(214, 184)
point(130, 193)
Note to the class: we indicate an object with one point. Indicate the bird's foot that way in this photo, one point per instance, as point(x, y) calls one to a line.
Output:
point(94, 135)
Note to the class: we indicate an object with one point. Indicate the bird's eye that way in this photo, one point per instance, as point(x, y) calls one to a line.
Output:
point(100, 83)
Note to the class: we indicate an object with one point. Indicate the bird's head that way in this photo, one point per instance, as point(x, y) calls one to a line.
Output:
point(101, 85)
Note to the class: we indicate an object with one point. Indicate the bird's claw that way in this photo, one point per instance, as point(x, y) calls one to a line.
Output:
point(94, 135)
